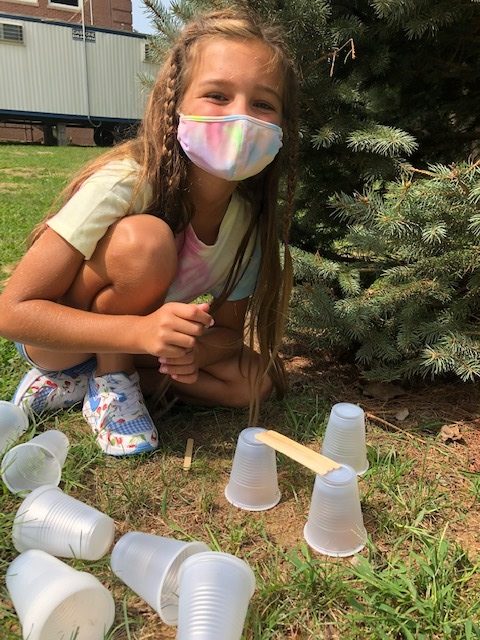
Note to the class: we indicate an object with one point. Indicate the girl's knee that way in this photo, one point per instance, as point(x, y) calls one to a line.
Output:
point(240, 393)
point(142, 245)
point(130, 270)
point(241, 389)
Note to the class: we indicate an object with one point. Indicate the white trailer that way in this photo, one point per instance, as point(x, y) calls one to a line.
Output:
point(59, 74)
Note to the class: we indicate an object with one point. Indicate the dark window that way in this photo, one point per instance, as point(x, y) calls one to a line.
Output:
point(68, 3)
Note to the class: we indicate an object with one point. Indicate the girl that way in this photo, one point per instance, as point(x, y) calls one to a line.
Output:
point(102, 300)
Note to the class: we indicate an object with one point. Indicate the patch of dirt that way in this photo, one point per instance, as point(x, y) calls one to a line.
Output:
point(421, 407)
point(23, 172)
point(419, 413)
point(8, 186)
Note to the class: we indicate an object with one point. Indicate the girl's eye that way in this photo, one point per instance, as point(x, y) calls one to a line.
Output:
point(265, 106)
point(216, 96)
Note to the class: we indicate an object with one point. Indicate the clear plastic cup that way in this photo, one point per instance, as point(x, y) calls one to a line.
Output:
point(54, 601)
point(253, 483)
point(335, 522)
point(149, 565)
point(35, 463)
point(13, 423)
point(344, 439)
point(215, 590)
point(50, 520)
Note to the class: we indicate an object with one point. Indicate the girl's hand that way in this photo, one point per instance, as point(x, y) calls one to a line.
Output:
point(183, 369)
point(172, 330)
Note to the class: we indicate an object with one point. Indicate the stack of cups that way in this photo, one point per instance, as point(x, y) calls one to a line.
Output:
point(13, 423)
point(35, 463)
point(215, 590)
point(344, 439)
point(53, 521)
point(149, 565)
point(53, 600)
point(335, 523)
point(253, 483)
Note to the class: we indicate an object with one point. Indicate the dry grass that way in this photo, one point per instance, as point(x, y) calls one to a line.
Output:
point(417, 486)
point(418, 493)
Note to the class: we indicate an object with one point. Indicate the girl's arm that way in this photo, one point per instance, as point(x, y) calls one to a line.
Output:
point(30, 313)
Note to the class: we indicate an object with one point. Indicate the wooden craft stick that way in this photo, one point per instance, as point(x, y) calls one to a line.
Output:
point(187, 461)
point(298, 452)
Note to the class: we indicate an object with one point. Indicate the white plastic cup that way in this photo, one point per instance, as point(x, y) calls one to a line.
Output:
point(149, 565)
point(53, 600)
point(13, 423)
point(35, 463)
point(50, 520)
point(344, 439)
point(253, 483)
point(215, 590)
point(335, 522)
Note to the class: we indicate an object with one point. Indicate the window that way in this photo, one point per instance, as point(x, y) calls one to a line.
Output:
point(11, 32)
point(64, 4)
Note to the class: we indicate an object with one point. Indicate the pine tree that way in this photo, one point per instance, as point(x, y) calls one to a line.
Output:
point(381, 81)
point(406, 296)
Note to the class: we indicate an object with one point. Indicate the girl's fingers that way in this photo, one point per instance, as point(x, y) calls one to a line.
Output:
point(187, 327)
point(196, 313)
point(178, 370)
point(187, 357)
point(172, 351)
point(187, 379)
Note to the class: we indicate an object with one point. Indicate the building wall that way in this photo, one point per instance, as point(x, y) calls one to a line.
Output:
point(109, 14)
point(106, 14)
point(55, 72)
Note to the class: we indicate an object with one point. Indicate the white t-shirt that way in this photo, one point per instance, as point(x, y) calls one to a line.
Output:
point(104, 198)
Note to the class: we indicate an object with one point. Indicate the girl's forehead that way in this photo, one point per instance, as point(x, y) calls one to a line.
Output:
point(236, 57)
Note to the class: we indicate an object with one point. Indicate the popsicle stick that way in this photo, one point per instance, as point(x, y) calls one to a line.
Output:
point(298, 452)
point(187, 461)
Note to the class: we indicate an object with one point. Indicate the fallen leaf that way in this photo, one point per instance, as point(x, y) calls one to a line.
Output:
point(450, 433)
point(402, 414)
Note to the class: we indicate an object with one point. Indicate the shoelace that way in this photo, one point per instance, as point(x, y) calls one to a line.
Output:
point(131, 390)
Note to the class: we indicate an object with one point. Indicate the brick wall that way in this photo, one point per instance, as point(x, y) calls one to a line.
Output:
point(27, 133)
point(109, 14)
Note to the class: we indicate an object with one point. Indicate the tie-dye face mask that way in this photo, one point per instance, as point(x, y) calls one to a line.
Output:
point(232, 147)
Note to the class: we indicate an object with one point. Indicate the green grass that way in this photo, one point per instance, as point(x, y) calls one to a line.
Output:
point(416, 579)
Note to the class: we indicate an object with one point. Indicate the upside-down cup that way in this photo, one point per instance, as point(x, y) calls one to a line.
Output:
point(53, 600)
point(35, 463)
point(50, 520)
point(344, 439)
point(253, 483)
point(215, 591)
point(13, 423)
point(149, 565)
point(335, 522)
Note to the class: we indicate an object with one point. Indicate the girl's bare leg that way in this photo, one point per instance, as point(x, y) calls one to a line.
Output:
point(129, 273)
point(224, 383)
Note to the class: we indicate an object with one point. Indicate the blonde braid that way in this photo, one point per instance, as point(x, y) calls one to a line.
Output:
point(170, 154)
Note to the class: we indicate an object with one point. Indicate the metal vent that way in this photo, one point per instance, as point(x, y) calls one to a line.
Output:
point(11, 32)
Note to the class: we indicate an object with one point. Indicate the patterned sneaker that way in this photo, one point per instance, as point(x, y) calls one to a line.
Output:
point(115, 410)
point(43, 391)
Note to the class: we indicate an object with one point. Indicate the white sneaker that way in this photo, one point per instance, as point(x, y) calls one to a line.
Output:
point(41, 391)
point(115, 410)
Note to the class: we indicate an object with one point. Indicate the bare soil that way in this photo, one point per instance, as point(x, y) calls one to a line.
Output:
point(433, 408)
